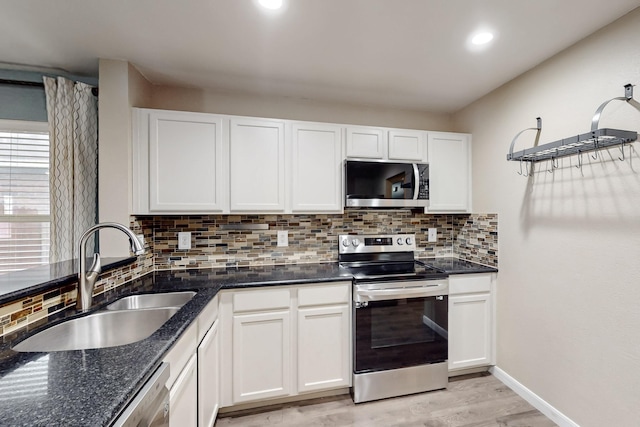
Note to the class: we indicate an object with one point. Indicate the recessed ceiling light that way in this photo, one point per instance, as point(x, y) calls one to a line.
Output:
point(271, 4)
point(482, 38)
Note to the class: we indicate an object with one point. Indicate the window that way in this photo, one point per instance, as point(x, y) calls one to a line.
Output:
point(24, 195)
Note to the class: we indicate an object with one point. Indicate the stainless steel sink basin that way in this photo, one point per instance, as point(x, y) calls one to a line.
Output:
point(98, 330)
point(135, 302)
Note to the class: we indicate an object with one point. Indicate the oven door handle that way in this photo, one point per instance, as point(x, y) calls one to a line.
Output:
point(362, 295)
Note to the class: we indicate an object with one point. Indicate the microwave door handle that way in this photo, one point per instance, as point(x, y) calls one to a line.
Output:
point(416, 181)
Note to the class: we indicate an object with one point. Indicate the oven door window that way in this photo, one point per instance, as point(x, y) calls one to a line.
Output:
point(400, 333)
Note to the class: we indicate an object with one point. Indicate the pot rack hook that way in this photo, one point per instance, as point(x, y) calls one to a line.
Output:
point(526, 167)
point(622, 150)
point(595, 153)
point(579, 160)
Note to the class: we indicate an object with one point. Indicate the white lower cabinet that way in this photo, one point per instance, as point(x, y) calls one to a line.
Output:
point(323, 348)
point(280, 342)
point(209, 377)
point(183, 379)
point(471, 325)
point(183, 396)
point(194, 366)
point(261, 356)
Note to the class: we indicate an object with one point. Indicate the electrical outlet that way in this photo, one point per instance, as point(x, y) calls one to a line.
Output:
point(140, 239)
point(432, 235)
point(283, 238)
point(184, 240)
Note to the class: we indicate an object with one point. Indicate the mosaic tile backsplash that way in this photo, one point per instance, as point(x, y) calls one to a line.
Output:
point(312, 238)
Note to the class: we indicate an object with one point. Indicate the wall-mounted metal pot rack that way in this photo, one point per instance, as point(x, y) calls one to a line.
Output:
point(583, 143)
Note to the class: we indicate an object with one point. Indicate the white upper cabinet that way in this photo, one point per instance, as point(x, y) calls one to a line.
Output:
point(385, 144)
point(197, 163)
point(365, 142)
point(257, 166)
point(407, 144)
point(316, 167)
point(449, 172)
point(179, 162)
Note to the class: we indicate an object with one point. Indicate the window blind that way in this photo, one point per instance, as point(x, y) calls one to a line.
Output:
point(24, 197)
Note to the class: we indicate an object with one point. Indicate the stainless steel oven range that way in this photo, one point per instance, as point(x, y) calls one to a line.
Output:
point(400, 317)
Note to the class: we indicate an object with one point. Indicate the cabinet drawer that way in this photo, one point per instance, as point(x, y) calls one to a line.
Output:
point(469, 283)
point(264, 299)
point(338, 293)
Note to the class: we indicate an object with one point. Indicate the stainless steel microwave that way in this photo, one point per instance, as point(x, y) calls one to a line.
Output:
point(381, 184)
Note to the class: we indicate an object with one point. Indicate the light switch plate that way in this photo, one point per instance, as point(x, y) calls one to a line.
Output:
point(283, 238)
point(432, 235)
point(184, 240)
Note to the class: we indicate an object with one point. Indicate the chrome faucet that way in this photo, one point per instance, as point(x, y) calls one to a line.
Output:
point(87, 279)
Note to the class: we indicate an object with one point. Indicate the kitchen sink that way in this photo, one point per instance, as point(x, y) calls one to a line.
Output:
point(136, 302)
point(98, 330)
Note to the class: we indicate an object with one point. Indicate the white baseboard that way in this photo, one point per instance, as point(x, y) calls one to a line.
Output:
point(536, 401)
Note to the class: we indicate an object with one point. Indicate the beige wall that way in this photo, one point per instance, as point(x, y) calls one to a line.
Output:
point(208, 101)
point(121, 86)
point(569, 281)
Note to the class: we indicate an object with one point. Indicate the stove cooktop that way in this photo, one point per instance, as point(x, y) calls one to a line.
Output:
point(371, 271)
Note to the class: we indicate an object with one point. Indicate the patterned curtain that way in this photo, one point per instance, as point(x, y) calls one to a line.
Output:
point(72, 112)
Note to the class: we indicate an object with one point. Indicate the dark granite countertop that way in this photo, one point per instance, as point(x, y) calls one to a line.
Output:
point(90, 387)
point(452, 265)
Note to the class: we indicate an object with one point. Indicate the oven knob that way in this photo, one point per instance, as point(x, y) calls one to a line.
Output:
point(345, 243)
point(409, 241)
point(355, 242)
point(400, 242)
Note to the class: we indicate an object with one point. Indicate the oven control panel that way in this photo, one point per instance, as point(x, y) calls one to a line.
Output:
point(364, 243)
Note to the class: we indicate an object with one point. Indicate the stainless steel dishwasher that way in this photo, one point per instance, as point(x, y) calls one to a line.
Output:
point(150, 407)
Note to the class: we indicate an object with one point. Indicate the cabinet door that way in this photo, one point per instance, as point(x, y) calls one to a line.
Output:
point(186, 162)
point(323, 348)
point(406, 145)
point(261, 356)
point(184, 397)
point(209, 377)
point(449, 172)
point(365, 142)
point(469, 330)
point(257, 167)
point(317, 168)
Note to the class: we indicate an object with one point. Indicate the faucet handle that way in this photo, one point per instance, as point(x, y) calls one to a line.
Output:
point(96, 266)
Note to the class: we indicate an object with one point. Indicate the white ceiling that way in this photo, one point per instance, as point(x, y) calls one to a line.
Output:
point(398, 53)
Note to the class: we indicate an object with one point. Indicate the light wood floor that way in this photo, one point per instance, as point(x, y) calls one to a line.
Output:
point(479, 401)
